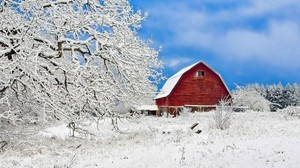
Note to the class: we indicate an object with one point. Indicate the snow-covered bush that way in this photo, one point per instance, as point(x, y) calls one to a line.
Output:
point(291, 111)
point(72, 58)
point(250, 98)
point(222, 117)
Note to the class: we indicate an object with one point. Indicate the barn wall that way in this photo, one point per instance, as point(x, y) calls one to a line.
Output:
point(161, 101)
point(194, 90)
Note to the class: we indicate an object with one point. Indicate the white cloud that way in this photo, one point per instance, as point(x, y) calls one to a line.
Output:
point(278, 45)
point(175, 62)
point(262, 30)
point(263, 7)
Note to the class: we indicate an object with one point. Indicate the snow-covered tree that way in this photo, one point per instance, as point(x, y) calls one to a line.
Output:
point(72, 58)
point(291, 95)
point(276, 97)
point(279, 96)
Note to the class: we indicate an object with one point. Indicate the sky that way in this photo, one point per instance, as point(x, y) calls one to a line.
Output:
point(248, 41)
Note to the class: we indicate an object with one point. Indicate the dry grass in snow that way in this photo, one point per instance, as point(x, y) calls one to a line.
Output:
point(254, 139)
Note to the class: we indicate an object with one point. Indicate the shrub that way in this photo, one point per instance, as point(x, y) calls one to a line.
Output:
point(222, 118)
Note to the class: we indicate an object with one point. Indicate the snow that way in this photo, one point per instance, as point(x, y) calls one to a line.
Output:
point(255, 139)
point(57, 132)
point(173, 80)
point(2, 52)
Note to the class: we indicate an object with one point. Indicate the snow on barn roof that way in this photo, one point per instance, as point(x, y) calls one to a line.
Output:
point(173, 80)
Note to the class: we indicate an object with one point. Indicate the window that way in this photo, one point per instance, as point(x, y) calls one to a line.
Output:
point(200, 74)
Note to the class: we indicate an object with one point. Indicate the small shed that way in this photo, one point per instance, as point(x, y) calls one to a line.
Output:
point(148, 109)
point(196, 86)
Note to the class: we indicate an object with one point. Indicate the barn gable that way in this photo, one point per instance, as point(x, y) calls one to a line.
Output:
point(173, 80)
point(197, 86)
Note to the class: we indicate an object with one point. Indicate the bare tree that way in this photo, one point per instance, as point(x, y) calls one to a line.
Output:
point(72, 58)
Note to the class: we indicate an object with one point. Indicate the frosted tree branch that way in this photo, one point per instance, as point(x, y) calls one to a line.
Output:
point(72, 59)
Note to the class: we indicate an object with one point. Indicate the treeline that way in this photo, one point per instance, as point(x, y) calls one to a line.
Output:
point(280, 96)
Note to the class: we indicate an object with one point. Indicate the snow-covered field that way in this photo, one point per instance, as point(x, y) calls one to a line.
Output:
point(254, 139)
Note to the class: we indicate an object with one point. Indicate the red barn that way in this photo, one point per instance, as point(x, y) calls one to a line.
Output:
point(196, 86)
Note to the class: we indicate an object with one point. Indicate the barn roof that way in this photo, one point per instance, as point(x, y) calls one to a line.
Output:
point(173, 80)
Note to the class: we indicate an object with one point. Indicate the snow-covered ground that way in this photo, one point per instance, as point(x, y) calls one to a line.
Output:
point(254, 139)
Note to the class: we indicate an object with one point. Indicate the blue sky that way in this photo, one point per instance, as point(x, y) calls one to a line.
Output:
point(248, 41)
